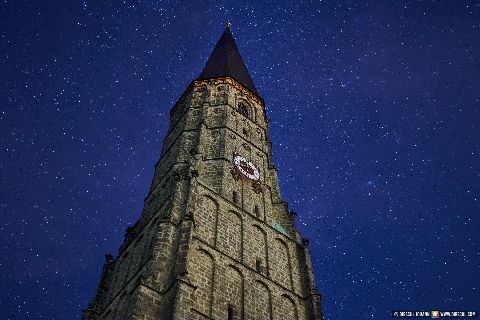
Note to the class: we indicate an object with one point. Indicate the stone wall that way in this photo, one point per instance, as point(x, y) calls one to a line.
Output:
point(210, 244)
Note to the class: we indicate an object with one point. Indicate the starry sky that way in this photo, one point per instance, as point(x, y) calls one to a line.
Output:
point(374, 118)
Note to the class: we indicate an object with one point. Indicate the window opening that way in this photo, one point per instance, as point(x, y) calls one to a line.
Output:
point(230, 312)
point(242, 108)
point(258, 265)
point(235, 197)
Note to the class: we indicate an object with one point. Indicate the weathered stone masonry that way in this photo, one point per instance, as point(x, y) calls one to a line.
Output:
point(209, 244)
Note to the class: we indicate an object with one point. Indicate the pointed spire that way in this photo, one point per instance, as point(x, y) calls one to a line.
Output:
point(225, 61)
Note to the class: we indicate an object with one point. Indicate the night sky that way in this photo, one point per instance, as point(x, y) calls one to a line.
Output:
point(374, 117)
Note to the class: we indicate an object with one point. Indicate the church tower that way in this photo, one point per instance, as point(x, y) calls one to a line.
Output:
point(215, 239)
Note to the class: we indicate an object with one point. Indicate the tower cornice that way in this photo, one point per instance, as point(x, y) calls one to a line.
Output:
point(215, 81)
point(236, 84)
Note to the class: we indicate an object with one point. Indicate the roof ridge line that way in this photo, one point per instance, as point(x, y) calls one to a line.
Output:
point(225, 60)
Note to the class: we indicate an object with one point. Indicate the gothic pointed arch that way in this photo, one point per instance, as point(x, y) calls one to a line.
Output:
point(282, 272)
point(203, 279)
point(206, 217)
point(244, 108)
point(262, 295)
point(258, 247)
point(287, 308)
point(234, 291)
point(230, 234)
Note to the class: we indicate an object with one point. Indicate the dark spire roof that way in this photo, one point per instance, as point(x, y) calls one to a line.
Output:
point(225, 61)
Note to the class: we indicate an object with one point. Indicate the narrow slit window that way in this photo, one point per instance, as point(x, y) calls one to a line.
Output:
point(256, 211)
point(258, 265)
point(230, 312)
point(235, 197)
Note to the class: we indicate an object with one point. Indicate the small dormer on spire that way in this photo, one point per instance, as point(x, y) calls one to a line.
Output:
point(225, 61)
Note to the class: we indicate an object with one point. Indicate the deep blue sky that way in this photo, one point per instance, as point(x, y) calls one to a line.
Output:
point(375, 123)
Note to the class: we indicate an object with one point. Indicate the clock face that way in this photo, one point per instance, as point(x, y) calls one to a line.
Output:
point(247, 168)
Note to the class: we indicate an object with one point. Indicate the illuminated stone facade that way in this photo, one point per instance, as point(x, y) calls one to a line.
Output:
point(211, 243)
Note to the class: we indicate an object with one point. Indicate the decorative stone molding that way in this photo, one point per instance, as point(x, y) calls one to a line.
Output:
point(233, 83)
point(305, 242)
point(293, 214)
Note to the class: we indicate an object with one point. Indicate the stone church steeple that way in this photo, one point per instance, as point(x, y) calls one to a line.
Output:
point(215, 239)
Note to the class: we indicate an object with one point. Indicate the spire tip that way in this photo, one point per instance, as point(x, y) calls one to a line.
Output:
point(229, 24)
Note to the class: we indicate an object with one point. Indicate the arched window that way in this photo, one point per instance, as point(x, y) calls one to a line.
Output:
point(243, 109)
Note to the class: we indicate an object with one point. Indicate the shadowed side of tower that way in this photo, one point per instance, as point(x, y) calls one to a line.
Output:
point(215, 239)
